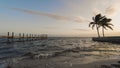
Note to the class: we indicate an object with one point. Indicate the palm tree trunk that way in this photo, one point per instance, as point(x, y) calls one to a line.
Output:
point(103, 32)
point(97, 31)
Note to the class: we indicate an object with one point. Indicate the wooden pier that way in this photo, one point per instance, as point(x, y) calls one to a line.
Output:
point(22, 37)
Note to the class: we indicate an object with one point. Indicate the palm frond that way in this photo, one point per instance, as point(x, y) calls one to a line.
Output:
point(91, 23)
point(97, 17)
point(104, 27)
point(93, 18)
point(110, 24)
point(108, 20)
point(109, 27)
point(93, 26)
point(102, 17)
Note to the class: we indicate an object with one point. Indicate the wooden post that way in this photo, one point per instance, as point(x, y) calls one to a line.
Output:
point(33, 38)
point(19, 36)
point(30, 37)
point(27, 37)
point(38, 37)
point(23, 37)
point(8, 37)
point(12, 37)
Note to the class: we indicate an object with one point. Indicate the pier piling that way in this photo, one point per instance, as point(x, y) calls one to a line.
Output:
point(12, 37)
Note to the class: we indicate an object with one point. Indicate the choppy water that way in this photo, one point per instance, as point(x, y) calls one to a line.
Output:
point(79, 50)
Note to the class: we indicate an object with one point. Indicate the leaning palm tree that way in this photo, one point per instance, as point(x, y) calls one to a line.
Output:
point(104, 23)
point(96, 21)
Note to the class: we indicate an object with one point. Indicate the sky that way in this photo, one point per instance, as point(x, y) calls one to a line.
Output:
point(68, 18)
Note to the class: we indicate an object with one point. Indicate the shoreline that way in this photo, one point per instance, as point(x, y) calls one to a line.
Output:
point(114, 40)
point(51, 64)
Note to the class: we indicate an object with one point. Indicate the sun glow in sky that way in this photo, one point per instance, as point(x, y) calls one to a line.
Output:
point(57, 17)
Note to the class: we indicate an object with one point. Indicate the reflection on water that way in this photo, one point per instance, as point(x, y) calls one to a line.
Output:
point(74, 50)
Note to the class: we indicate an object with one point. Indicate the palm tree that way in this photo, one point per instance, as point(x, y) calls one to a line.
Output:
point(96, 21)
point(104, 23)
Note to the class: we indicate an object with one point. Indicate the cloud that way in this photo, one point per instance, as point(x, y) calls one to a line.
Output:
point(82, 29)
point(106, 7)
point(54, 16)
point(79, 19)
point(52, 27)
point(112, 10)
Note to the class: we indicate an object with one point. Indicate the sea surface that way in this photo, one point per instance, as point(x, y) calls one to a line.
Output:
point(72, 49)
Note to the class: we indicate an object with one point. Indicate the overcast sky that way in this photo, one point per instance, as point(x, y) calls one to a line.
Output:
point(57, 17)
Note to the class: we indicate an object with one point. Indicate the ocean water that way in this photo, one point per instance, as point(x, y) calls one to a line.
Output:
point(77, 50)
